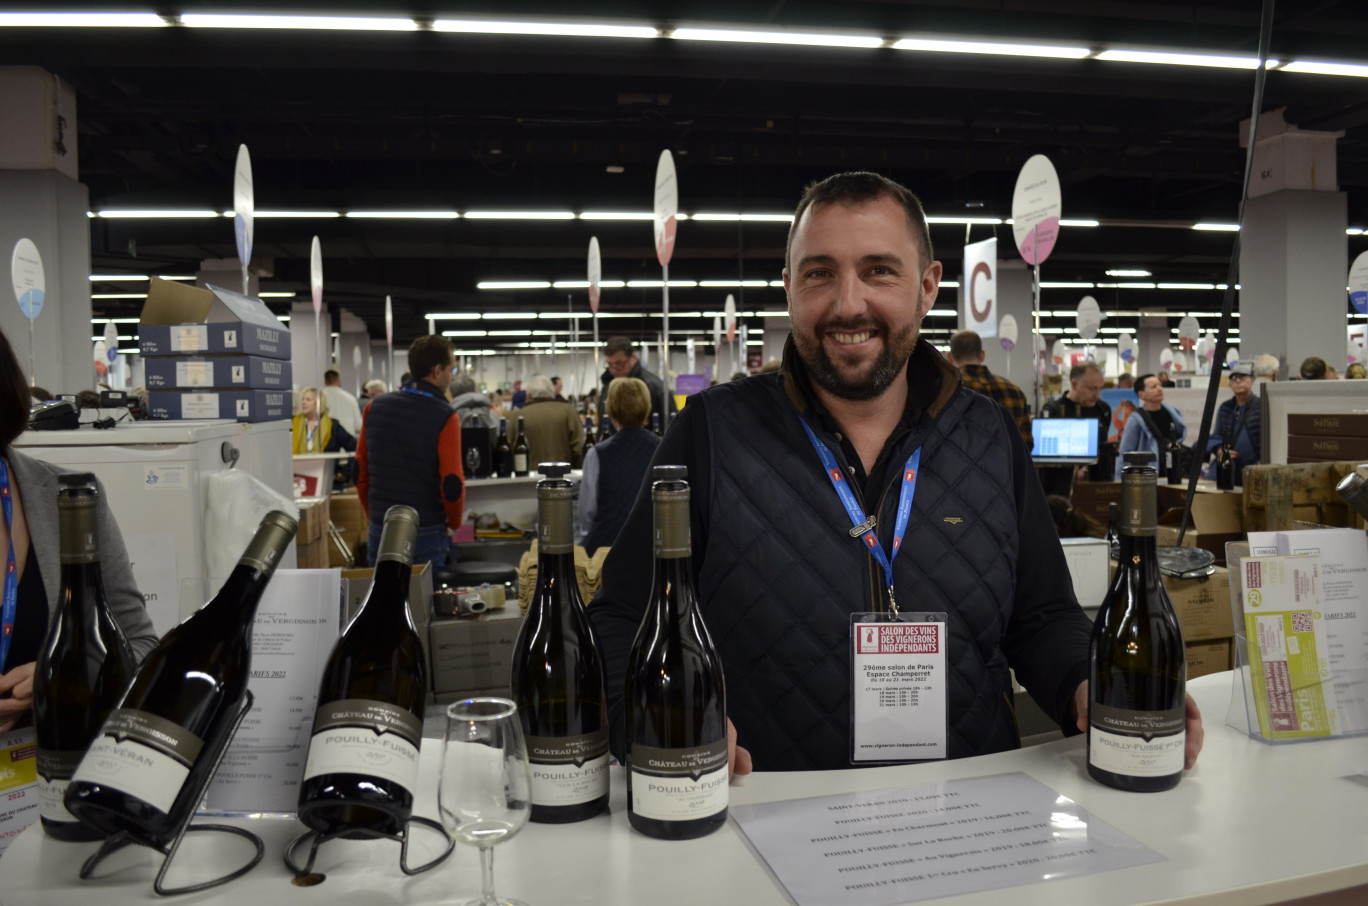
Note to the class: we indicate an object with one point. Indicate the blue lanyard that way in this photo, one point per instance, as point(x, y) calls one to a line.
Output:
point(418, 391)
point(308, 444)
point(11, 605)
point(864, 527)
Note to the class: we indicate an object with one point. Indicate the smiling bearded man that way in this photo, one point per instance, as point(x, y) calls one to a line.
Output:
point(865, 425)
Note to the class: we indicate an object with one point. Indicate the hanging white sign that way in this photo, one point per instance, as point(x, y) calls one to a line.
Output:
point(1358, 283)
point(1057, 355)
point(1036, 209)
point(666, 208)
point(389, 321)
point(1089, 317)
point(1007, 332)
point(979, 309)
point(30, 282)
point(1188, 333)
point(111, 340)
point(595, 273)
point(1125, 348)
point(244, 205)
point(729, 316)
point(316, 275)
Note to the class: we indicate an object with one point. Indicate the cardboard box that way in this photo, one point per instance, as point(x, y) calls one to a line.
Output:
point(1339, 425)
point(185, 320)
point(313, 520)
point(242, 405)
point(229, 372)
point(1090, 568)
point(1217, 518)
point(312, 554)
point(1203, 606)
point(1211, 656)
point(1319, 448)
point(472, 653)
point(1090, 498)
point(346, 512)
point(357, 588)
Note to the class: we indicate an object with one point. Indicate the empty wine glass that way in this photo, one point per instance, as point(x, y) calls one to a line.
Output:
point(484, 792)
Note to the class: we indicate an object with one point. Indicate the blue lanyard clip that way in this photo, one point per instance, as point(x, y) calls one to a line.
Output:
point(866, 526)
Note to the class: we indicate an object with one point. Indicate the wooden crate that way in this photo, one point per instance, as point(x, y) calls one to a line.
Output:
point(1277, 497)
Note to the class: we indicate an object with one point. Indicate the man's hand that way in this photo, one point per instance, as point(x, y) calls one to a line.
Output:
point(16, 695)
point(1195, 733)
point(738, 759)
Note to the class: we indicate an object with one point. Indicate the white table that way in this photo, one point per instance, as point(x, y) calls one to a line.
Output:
point(1252, 824)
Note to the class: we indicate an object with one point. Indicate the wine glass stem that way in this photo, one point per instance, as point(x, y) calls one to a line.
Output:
point(487, 897)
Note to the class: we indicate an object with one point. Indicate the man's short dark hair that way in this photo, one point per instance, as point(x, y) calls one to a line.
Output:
point(1140, 381)
point(14, 395)
point(619, 344)
point(1313, 369)
point(1077, 371)
point(427, 353)
point(332, 376)
point(863, 187)
point(966, 346)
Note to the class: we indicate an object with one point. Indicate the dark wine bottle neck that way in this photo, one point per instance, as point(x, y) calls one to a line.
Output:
point(85, 576)
point(389, 590)
point(673, 585)
point(1141, 551)
point(237, 600)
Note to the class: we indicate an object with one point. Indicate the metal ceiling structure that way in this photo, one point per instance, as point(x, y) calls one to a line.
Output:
point(341, 121)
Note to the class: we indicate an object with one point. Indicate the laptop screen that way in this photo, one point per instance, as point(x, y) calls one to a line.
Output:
point(1065, 439)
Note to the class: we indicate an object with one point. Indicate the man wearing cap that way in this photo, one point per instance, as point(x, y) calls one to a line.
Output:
point(1238, 422)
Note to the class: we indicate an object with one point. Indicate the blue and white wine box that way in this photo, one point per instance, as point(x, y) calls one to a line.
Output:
point(228, 372)
point(241, 405)
point(186, 320)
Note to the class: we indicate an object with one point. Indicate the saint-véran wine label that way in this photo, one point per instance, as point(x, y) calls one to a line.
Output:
point(143, 755)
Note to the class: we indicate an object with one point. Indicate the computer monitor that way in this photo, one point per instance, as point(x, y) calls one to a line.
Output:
point(1064, 441)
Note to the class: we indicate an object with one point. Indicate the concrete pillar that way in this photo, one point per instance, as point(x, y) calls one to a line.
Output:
point(1151, 339)
point(353, 351)
point(227, 273)
point(43, 202)
point(311, 353)
point(1293, 267)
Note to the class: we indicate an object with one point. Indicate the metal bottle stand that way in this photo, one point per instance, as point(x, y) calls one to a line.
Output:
point(120, 839)
point(316, 840)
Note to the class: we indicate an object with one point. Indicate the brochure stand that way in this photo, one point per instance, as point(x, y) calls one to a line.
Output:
point(119, 840)
point(1305, 692)
point(316, 840)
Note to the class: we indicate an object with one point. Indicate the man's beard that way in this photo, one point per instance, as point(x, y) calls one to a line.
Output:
point(878, 375)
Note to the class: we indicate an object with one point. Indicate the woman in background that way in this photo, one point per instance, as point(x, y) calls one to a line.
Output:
point(615, 468)
point(29, 541)
point(314, 431)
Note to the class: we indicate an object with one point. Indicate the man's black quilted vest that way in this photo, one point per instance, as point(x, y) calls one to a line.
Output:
point(782, 579)
point(401, 453)
point(623, 461)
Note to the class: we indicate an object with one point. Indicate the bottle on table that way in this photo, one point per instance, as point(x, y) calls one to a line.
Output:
point(589, 440)
point(521, 466)
point(503, 452)
point(1137, 731)
point(675, 694)
point(146, 771)
point(655, 424)
point(557, 674)
point(1173, 464)
point(85, 662)
point(1225, 468)
point(362, 769)
point(1112, 538)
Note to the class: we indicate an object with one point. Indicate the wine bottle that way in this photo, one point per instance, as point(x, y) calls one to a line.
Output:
point(1112, 538)
point(557, 674)
point(145, 772)
point(588, 433)
point(1136, 732)
point(1173, 466)
point(675, 694)
point(655, 423)
point(85, 661)
point(503, 452)
point(521, 467)
point(362, 769)
point(1225, 468)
